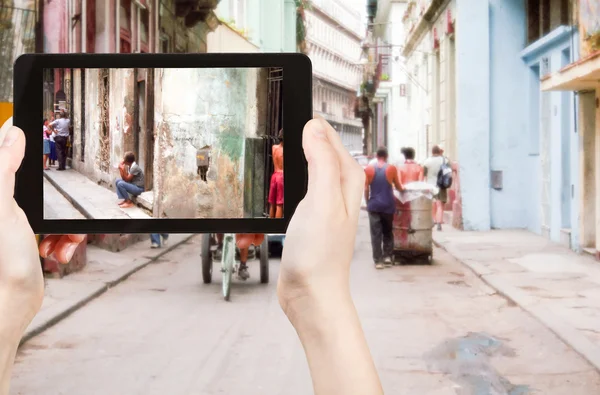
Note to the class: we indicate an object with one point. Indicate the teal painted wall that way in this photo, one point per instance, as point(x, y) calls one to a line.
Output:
point(271, 23)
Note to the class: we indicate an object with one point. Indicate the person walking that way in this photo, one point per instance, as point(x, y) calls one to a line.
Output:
point(62, 126)
point(431, 170)
point(381, 206)
point(53, 157)
point(411, 171)
point(46, 136)
point(155, 239)
point(276, 186)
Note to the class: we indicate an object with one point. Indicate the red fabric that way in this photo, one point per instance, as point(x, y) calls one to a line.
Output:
point(276, 189)
point(243, 241)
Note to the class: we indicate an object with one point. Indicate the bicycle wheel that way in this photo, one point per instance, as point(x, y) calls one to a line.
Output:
point(227, 264)
point(207, 259)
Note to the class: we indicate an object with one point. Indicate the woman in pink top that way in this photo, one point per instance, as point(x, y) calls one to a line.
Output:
point(46, 134)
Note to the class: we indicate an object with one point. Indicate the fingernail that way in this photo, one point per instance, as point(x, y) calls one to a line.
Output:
point(319, 131)
point(70, 251)
point(11, 136)
point(45, 250)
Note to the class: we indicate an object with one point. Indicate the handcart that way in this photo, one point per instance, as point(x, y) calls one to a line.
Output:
point(228, 259)
point(413, 225)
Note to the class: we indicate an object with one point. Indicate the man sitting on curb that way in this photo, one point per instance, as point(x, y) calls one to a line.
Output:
point(131, 181)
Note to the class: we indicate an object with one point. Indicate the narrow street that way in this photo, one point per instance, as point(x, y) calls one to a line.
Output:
point(163, 331)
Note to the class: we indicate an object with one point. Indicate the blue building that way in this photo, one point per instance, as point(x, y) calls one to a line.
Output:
point(515, 147)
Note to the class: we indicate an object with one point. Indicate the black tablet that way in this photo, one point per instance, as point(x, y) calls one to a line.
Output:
point(162, 143)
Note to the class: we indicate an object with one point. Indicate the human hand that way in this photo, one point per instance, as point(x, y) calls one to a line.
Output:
point(314, 279)
point(21, 280)
point(320, 237)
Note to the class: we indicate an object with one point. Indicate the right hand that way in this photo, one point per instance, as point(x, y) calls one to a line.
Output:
point(319, 246)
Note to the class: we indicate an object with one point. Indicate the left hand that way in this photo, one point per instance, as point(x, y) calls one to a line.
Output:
point(21, 279)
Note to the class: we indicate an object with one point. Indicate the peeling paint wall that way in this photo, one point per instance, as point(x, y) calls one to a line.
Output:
point(120, 93)
point(194, 108)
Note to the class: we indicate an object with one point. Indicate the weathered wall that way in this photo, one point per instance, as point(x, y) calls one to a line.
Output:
point(588, 188)
point(193, 108)
point(55, 27)
point(589, 23)
point(119, 141)
point(225, 39)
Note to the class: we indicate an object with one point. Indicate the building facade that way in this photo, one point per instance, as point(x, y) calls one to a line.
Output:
point(334, 36)
point(580, 73)
point(269, 25)
point(225, 110)
point(20, 24)
point(390, 98)
point(513, 147)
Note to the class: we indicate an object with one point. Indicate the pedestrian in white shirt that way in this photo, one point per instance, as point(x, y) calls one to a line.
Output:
point(431, 169)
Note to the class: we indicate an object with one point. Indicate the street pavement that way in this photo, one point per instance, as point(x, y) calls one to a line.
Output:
point(432, 330)
point(556, 285)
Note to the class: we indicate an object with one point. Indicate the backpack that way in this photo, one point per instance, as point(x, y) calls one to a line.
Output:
point(444, 178)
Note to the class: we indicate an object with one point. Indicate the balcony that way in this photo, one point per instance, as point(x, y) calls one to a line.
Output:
point(196, 11)
point(579, 76)
point(383, 71)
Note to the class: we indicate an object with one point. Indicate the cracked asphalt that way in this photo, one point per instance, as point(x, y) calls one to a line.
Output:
point(432, 330)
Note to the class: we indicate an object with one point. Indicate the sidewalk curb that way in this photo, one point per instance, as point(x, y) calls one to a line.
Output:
point(565, 332)
point(69, 198)
point(31, 333)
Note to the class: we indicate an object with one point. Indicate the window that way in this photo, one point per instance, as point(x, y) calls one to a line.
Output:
point(543, 16)
point(125, 26)
point(144, 30)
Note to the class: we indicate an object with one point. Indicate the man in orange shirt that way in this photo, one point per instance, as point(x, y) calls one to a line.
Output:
point(381, 205)
point(411, 171)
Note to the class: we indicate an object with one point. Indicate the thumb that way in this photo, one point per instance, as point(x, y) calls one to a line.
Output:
point(12, 149)
point(323, 164)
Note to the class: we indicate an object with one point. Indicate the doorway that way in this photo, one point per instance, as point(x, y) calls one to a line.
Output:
point(274, 125)
point(143, 139)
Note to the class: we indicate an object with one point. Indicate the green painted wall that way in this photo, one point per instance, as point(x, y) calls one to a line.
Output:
point(271, 23)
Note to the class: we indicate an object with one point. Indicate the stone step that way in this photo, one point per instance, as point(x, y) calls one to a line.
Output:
point(97, 202)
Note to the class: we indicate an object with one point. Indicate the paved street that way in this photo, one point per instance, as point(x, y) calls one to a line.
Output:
point(433, 330)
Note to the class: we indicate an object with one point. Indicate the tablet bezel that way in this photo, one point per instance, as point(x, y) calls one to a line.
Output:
point(28, 115)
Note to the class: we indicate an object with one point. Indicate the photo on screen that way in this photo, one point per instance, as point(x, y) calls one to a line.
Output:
point(178, 143)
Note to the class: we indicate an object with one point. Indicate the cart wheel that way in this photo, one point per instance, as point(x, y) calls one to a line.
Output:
point(264, 261)
point(207, 259)
point(228, 264)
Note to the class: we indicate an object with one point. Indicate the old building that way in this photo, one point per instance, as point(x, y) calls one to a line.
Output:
point(143, 27)
point(268, 25)
point(513, 147)
point(225, 110)
point(19, 33)
point(580, 73)
point(334, 35)
point(390, 128)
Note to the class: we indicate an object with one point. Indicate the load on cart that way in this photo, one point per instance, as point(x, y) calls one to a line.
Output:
point(413, 224)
